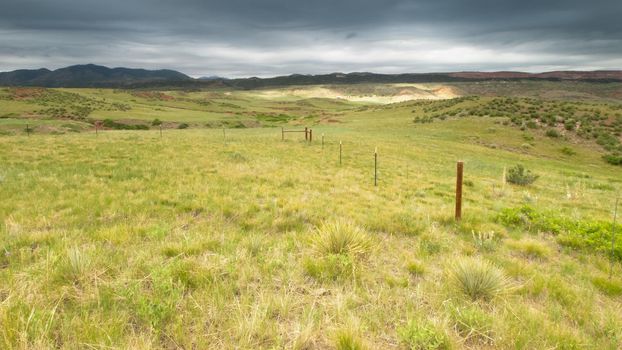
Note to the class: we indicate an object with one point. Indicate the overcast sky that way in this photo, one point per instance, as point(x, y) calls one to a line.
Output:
point(239, 38)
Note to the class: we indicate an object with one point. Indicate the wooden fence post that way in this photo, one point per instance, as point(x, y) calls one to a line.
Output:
point(322, 141)
point(282, 134)
point(459, 170)
point(310, 135)
point(376, 166)
point(340, 153)
point(306, 134)
point(27, 129)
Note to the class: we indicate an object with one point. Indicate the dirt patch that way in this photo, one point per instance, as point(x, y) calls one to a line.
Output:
point(330, 121)
point(380, 94)
point(27, 93)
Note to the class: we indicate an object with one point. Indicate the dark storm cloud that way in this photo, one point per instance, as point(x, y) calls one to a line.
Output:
point(269, 37)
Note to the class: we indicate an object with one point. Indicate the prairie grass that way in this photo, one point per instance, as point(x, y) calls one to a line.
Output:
point(473, 324)
point(531, 248)
point(129, 240)
point(416, 268)
point(611, 287)
point(421, 334)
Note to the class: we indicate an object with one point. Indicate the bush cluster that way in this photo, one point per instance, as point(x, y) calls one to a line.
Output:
point(111, 124)
point(518, 175)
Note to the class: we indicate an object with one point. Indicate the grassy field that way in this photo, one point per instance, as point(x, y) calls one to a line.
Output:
point(199, 240)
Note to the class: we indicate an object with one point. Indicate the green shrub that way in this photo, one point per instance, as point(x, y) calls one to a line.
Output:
point(578, 234)
point(183, 126)
point(156, 122)
point(613, 159)
point(111, 124)
point(608, 141)
point(478, 279)
point(518, 175)
point(568, 151)
point(552, 133)
point(423, 335)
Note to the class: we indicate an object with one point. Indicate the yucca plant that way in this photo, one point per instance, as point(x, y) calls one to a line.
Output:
point(341, 237)
point(479, 279)
point(77, 264)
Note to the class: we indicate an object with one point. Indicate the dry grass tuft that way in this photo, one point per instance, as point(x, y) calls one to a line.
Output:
point(342, 238)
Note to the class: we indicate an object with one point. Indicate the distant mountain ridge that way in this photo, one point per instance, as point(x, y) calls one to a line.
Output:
point(561, 75)
point(88, 75)
point(91, 75)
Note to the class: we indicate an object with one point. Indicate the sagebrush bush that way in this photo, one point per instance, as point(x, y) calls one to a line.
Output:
point(552, 133)
point(613, 159)
point(343, 238)
point(518, 175)
point(478, 279)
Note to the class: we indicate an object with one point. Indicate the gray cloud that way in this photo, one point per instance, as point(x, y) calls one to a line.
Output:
point(272, 37)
